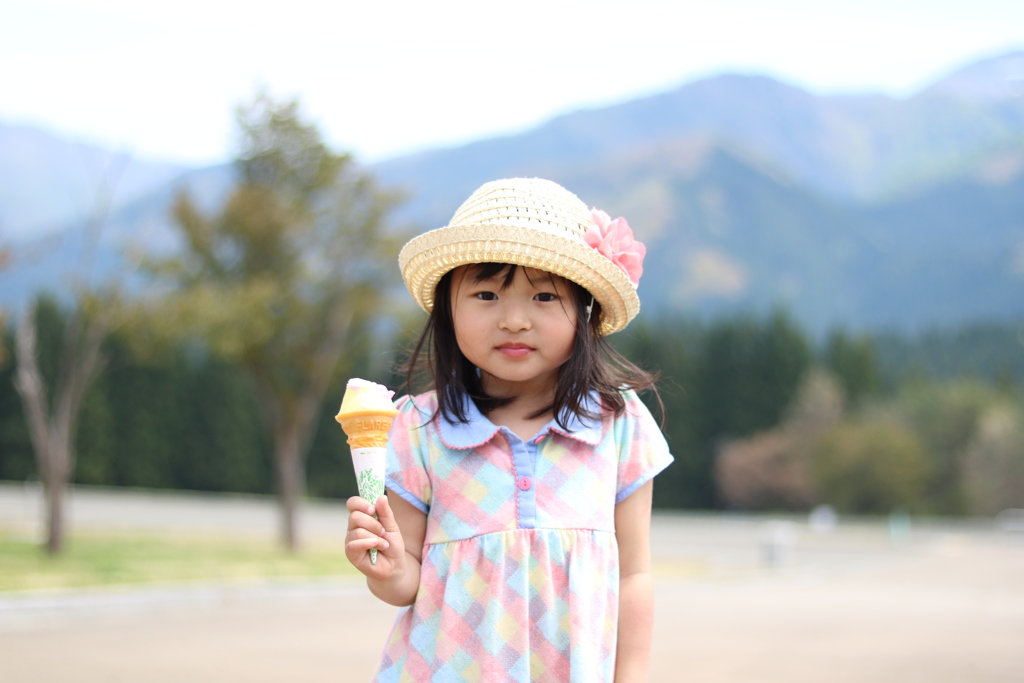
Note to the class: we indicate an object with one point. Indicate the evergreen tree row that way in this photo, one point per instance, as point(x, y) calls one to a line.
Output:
point(191, 421)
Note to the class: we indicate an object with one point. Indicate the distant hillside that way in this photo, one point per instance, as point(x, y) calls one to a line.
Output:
point(49, 183)
point(55, 260)
point(997, 79)
point(846, 146)
point(863, 211)
point(949, 252)
point(990, 351)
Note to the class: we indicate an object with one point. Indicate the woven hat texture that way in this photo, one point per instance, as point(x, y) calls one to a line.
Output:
point(526, 221)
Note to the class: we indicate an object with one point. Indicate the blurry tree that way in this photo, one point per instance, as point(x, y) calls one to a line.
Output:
point(869, 467)
point(946, 416)
point(994, 462)
point(329, 463)
point(770, 470)
point(718, 382)
point(747, 374)
point(819, 404)
point(182, 419)
point(763, 472)
point(52, 408)
point(3, 316)
point(750, 371)
point(280, 277)
point(852, 360)
point(670, 348)
point(985, 351)
point(5, 262)
point(16, 459)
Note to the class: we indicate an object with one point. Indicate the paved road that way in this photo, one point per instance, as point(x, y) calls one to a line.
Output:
point(739, 600)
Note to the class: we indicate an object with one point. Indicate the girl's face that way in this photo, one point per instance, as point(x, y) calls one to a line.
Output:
point(518, 334)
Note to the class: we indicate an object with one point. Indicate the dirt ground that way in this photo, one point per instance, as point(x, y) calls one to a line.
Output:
point(738, 599)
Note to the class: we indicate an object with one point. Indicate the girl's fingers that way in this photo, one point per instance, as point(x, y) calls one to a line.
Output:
point(361, 516)
point(385, 516)
point(358, 520)
point(360, 533)
point(357, 504)
point(362, 544)
point(358, 543)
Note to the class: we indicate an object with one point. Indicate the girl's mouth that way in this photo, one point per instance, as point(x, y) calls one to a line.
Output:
point(515, 350)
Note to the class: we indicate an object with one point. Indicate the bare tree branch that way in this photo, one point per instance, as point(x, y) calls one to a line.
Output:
point(29, 383)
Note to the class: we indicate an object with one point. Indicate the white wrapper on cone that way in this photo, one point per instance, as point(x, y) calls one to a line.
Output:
point(371, 467)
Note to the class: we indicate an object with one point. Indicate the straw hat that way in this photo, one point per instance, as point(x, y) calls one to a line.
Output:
point(530, 222)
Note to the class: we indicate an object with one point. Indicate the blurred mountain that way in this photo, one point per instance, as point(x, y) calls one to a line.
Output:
point(997, 79)
point(49, 182)
point(860, 147)
point(858, 210)
point(58, 260)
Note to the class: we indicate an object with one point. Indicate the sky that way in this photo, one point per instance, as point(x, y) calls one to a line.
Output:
point(160, 80)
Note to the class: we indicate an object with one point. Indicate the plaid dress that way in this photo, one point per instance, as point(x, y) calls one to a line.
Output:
point(520, 570)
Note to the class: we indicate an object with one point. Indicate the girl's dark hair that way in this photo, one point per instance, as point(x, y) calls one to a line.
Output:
point(594, 364)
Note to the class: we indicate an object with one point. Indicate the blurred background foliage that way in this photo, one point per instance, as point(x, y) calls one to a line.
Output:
point(774, 228)
point(759, 415)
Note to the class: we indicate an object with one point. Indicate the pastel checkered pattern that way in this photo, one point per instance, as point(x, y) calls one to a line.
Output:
point(520, 570)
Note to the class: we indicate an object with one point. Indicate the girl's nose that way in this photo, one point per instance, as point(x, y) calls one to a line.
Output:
point(514, 318)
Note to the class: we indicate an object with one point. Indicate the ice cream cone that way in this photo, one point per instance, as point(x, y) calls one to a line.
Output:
point(366, 415)
point(366, 431)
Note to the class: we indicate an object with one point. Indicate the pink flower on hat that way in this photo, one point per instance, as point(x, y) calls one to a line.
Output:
point(614, 240)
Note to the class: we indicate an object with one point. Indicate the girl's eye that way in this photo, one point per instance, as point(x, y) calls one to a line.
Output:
point(486, 296)
point(546, 296)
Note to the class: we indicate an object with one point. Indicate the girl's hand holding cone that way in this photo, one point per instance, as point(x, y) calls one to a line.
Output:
point(366, 533)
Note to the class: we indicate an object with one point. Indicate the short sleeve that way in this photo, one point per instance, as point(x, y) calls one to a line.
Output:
point(643, 451)
point(407, 473)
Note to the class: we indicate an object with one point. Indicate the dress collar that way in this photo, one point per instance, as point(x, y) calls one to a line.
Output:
point(479, 430)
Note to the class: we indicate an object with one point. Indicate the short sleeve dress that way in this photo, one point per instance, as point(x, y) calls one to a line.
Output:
point(520, 569)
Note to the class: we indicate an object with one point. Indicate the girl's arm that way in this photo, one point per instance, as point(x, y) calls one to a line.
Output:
point(398, 535)
point(636, 586)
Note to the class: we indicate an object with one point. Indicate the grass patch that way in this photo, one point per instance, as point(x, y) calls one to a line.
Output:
point(112, 558)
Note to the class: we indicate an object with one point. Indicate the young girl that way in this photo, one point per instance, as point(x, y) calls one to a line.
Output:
point(516, 536)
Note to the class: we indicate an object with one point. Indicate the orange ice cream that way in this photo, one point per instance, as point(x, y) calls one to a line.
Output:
point(366, 413)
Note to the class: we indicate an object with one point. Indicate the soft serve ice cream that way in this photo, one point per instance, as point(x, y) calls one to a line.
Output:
point(366, 415)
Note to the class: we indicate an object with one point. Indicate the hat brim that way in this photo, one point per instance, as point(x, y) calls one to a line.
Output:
point(426, 258)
